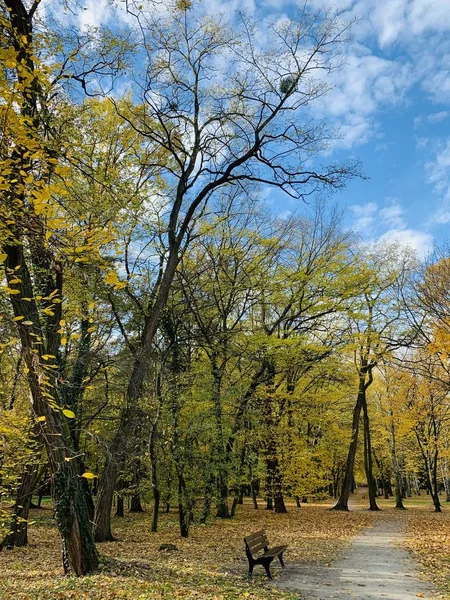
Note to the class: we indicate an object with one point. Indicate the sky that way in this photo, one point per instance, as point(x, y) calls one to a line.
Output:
point(391, 103)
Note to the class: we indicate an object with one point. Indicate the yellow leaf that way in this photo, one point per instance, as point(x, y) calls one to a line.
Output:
point(27, 322)
point(62, 323)
point(11, 291)
point(88, 475)
point(3, 257)
point(63, 341)
point(111, 278)
point(19, 318)
point(69, 413)
point(42, 418)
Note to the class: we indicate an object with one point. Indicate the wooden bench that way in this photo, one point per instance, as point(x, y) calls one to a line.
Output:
point(256, 543)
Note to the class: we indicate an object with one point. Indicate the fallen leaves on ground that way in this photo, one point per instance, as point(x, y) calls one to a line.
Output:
point(210, 564)
point(429, 542)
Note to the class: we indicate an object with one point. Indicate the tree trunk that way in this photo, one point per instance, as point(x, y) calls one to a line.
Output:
point(18, 529)
point(254, 487)
point(396, 467)
point(234, 505)
point(278, 498)
point(184, 516)
point(342, 503)
point(435, 486)
point(71, 511)
point(207, 499)
point(368, 460)
point(220, 455)
point(136, 506)
point(103, 505)
point(119, 510)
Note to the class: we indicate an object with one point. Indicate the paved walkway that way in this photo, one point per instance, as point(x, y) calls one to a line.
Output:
point(373, 567)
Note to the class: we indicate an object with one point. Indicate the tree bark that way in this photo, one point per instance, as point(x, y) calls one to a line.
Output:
point(342, 503)
point(18, 529)
point(119, 510)
point(396, 467)
point(368, 459)
point(136, 505)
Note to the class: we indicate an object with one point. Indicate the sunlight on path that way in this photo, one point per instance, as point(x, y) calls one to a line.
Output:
point(373, 567)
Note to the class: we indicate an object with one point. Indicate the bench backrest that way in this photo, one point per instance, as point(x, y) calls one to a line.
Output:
point(256, 542)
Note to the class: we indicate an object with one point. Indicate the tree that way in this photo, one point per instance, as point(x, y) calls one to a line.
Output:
point(372, 335)
point(220, 126)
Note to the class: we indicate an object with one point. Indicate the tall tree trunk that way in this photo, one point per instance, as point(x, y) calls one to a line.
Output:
point(71, 511)
point(207, 499)
point(342, 503)
point(220, 456)
point(119, 510)
point(103, 505)
point(28, 231)
point(396, 467)
point(277, 484)
point(18, 529)
point(184, 512)
point(368, 459)
point(152, 447)
point(136, 505)
point(128, 425)
point(434, 483)
point(431, 471)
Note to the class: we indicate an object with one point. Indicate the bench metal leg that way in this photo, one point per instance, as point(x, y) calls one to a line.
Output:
point(280, 558)
point(267, 568)
point(250, 569)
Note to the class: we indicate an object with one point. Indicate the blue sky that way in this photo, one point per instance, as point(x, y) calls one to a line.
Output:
point(391, 102)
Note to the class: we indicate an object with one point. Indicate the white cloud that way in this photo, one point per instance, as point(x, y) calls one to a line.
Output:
point(420, 241)
point(393, 20)
point(393, 215)
point(439, 168)
point(365, 216)
point(363, 86)
point(370, 219)
point(438, 86)
point(365, 83)
point(438, 117)
point(432, 118)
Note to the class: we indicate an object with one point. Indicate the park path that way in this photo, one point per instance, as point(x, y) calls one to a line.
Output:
point(374, 566)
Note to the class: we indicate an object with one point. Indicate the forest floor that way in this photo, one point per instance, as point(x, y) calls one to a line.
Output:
point(211, 563)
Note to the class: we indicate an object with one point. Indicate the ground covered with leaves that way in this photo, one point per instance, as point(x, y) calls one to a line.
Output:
point(210, 564)
point(429, 542)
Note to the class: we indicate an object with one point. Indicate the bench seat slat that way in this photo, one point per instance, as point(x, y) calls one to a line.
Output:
point(274, 551)
point(255, 535)
point(256, 541)
point(259, 547)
